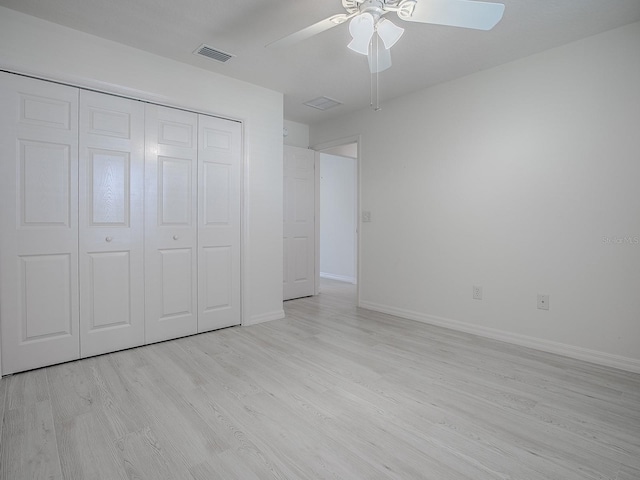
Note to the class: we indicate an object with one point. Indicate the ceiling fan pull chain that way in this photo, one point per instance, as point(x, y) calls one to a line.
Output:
point(371, 87)
point(377, 74)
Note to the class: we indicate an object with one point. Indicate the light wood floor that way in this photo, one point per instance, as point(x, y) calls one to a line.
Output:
point(331, 392)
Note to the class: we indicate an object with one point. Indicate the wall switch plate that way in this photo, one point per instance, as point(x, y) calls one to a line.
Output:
point(543, 302)
point(477, 292)
point(366, 216)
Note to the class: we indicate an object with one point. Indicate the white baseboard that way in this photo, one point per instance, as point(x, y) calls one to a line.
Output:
point(571, 351)
point(340, 278)
point(263, 317)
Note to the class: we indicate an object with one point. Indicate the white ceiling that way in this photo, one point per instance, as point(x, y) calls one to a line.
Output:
point(322, 65)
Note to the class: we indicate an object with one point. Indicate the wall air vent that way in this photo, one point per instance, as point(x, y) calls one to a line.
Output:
point(323, 103)
point(212, 53)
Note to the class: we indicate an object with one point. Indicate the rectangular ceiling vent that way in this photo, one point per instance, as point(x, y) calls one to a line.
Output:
point(323, 103)
point(212, 53)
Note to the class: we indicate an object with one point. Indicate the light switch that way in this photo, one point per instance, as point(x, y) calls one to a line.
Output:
point(366, 216)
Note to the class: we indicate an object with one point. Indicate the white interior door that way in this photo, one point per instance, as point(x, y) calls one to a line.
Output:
point(111, 187)
point(219, 193)
point(38, 223)
point(170, 223)
point(299, 222)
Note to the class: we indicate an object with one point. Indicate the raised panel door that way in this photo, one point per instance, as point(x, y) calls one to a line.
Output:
point(219, 213)
point(38, 223)
point(170, 223)
point(299, 223)
point(111, 189)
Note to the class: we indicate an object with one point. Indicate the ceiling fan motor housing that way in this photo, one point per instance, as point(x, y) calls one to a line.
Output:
point(373, 7)
point(378, 8)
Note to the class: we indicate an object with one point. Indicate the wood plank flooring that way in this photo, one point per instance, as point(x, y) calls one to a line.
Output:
point(330, 392)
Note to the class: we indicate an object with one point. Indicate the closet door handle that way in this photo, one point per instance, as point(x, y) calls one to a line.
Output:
point(108, 239)
point(176, 237)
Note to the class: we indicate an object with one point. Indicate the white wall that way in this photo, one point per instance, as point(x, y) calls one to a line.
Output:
point(522, 179)
point(33, 46)
point(298, 134)
point(338, 218)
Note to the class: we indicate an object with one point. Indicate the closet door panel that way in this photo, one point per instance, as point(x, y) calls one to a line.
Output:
point(38, 223)
point(46, 295)
point(220, 173)
point(177, 288)
point(107, 284)
point(217, 263)
point(111, 223)
point(170, 223)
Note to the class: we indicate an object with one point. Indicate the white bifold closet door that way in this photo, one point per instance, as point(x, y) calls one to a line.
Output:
point(219, 184)
point(39, 221)
point(111, 189)
point(119, 223)
point(171, 191)
point(192, 223)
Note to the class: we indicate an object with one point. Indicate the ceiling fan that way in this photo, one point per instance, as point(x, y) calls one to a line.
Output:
point(368, 23)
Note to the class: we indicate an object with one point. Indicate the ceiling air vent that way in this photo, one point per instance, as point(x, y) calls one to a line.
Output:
point(212, 53)
point(323, 103)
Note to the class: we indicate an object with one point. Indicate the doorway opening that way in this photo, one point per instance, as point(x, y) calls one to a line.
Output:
point(338, 217)
point(321, 218)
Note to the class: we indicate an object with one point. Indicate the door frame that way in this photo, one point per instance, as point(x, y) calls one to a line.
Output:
point(319, 148)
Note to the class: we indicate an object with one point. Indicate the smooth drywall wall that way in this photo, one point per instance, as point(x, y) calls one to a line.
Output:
point(522, 179)
point(338, 195)
point(33, 46)
point(297, 134)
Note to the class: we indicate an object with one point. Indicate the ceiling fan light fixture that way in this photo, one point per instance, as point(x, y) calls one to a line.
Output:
point(361, 28)
point(389, 32)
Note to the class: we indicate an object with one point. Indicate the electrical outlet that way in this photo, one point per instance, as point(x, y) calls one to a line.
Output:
point(477, 292)
point(543, 302)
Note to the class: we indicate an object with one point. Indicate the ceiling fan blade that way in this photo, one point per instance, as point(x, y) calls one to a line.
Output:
point(457, 13)
point(379, 57)
point(310, 31)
